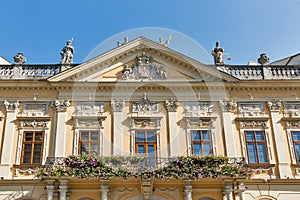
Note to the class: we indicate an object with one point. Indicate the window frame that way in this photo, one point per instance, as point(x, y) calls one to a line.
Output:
point(89, 141)
point(256, 142)
point(294, 146)
point(33, 143)
point(145, 142)
point(201, 141)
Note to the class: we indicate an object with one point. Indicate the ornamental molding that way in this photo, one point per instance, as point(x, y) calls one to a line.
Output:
point(89, 108)
point(61, 105)
point(34, 122)
point(35, 109)
point(200, 122)
point(295, 124)
point(274, 105)
point(144, 106)
point(253, 124)
point(291, 109)
point(251, 109)
point(11, 106)
point(145, 122)
point(117, 105)
point(198, 108)
point(171, 105)
point(89, 121)
point(144, 68)
point(228, 106)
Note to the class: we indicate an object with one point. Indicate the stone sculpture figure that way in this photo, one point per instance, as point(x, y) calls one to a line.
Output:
point(67, 53)
point(218, 54)
point(19, 58)
point(263, 59)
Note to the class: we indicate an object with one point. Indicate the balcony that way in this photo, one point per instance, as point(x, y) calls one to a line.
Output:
point(181, 167)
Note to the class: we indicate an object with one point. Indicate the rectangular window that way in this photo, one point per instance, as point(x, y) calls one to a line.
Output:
point(296, 141)
point(89, 142)
point(201, 142)
point(32, 148)
point(145, 145)
point(256, 147)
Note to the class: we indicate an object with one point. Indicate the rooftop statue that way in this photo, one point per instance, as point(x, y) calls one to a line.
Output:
point(263, 59)
point(218, 54)
point(19, 58)
point(67, 53)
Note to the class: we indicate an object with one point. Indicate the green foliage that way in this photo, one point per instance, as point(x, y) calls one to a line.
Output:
point(182, 167)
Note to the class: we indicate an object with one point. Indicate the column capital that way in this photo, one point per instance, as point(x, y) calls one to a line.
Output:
point(117, 105)
point(171, 105)
point(61, 105)
point(11, 106)
point(274, 105)
point(228, 106)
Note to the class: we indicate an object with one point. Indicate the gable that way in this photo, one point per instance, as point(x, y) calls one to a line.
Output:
point(141, 59)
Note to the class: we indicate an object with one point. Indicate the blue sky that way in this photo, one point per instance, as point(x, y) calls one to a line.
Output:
point(245, 29)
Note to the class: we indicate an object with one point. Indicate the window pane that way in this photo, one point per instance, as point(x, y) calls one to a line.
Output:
point(205, 135)
point(28, 137)
point(94, 148)
point(94, 135)
point(260, 136)
point(197, 148)
point(206, 149)
point(38, 137)
point(150, 137)
point(262, 153)
point(84, 136)
point(84, 149)
point(141, 150)
point(297, 147)
point(151, 155)
point(140, 137)
point(249, 136)
point(27, 153)
point(195, 135)
point(37, 153)
point(296, 136)
point(252, 153)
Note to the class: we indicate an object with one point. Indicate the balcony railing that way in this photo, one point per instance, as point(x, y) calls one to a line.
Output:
point(31, 71)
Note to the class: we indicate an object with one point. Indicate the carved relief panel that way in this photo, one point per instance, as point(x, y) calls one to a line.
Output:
point(144, 68)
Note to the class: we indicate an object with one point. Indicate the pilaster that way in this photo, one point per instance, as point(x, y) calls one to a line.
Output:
point(117, 107)
point(280, 140)
point(171, 105)
point(228, 108)
point(63, 189)
point(60, 130)
point(9, 135)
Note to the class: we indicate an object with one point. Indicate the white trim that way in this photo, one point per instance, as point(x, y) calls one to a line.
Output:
point(291, 145)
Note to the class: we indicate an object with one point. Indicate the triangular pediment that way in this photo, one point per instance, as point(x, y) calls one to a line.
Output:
point(141, 59)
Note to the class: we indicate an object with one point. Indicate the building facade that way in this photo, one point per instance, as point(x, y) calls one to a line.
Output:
point(143, 98)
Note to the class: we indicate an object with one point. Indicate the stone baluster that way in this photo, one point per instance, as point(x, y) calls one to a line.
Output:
point(227, 191)
point(50, 187)
point(188, 189)
point(104, 191)
point(63, 189)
